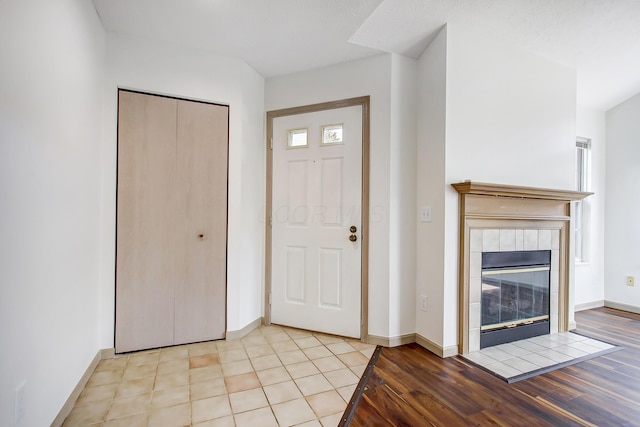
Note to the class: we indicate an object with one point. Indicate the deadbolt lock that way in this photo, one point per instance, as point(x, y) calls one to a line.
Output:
point(353, 237)
point(353, 229)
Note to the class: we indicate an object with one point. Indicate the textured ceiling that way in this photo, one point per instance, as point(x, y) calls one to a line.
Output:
point(600, 38)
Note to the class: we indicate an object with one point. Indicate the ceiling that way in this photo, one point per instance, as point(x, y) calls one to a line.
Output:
point(599, 38)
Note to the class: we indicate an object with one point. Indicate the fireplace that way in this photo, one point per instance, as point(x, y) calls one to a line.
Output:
point(503, 219)
point(515, 296)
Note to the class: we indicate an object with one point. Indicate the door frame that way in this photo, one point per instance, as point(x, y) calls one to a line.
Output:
point(364, 102)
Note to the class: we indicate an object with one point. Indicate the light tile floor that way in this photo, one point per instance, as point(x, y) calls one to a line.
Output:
point(274, 376)
point(518, 359)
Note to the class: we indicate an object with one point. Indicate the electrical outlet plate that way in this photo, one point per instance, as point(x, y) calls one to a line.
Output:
point(423, 302)
point(631, 281)
point(425, 214)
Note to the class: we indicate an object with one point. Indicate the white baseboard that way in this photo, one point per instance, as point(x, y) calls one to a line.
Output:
point(589, 305)
point(623, 307)
point(436, 349)
point(391, 341)
point(236, 335)
point(105, 353)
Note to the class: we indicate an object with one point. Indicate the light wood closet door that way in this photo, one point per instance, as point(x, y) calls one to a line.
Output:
point(172, 216)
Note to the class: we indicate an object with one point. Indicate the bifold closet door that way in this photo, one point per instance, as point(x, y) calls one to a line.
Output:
point(171, 221)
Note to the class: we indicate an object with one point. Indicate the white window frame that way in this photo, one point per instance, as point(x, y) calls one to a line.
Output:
point(582, 217)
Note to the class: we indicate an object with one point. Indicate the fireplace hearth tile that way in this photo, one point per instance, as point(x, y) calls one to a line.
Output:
point(526, 358)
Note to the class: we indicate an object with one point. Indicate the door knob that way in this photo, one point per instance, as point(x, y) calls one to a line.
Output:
point(353, 237)
point(353, 229)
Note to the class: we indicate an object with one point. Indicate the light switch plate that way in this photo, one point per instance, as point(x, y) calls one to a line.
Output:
point(425, 214)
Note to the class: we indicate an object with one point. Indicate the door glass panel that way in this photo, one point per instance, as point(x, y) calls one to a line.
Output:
point(297, 138)
point(332, 134)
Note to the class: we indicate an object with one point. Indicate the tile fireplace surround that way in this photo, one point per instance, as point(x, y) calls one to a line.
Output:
point(499, 218)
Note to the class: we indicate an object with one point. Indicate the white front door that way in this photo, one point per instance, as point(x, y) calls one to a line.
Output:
point(316, 203)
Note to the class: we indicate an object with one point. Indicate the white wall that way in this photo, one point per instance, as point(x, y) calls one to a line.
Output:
point(589, 275)
point(370, 76)
point(154, 67)
point(402, 193)
point(623, 204)
point(50, 117)
point(511, 119)
point(432, 79)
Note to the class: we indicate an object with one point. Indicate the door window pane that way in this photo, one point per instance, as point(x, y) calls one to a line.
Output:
point(297, 138)
point(332, 134)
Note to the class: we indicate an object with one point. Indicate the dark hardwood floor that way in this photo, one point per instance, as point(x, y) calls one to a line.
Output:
point(410, 386)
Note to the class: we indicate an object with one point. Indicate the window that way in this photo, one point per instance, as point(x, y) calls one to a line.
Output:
point(581, 219)
point(332, 134)
point(297, 138)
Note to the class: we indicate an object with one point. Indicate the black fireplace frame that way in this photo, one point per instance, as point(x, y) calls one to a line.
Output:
point(507, 260)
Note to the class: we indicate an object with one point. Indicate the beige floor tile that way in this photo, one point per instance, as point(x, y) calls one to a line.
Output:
point(327, 403)
point(358, 370)
point(218, 422)
point(138, 420)
point(133, 372)
point(353, 359)
point(85, 415)
point(291, 357)
point(331, 420)
point(237, 368)
point(340, 348)
point(347, 392)
point(172, 416)
point(248, 400)
point(202, 348)
point(260, 350)
point(133, 387)
point(313, 385)
point(171, 381)
point(282, 392)
point(255, 340)
point(202, 360)
point(307, 342)
point(173, 353)
point(271, 329)
point(273, 376)
point(302, 369)
point(284, 346)
point(293, 412)
point(170, 397)
point(151, 357)
point(208, 384)
point(330, 363)
point(262, 417)
point(105, 377)
point(209, 409)
point(297, 333)
point(228, 356)
point(206, 389)
point(175, 366)
point(229, 345)
point(328, 339)
point(361, 346)
point(97, 393)
point(317, 352)
point(205, 374)
point(115, 364)
point(341, 377)
point(265, 362)
point(130, 405)
point(242, 382)
point(277, 337)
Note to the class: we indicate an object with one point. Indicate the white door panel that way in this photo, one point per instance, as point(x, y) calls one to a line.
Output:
point(317, 193)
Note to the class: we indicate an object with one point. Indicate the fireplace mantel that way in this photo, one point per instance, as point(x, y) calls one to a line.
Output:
point(487, 189)
point(509, 209)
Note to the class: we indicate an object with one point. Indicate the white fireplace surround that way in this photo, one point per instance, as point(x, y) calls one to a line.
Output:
point(499, 218)
point(508, 240)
